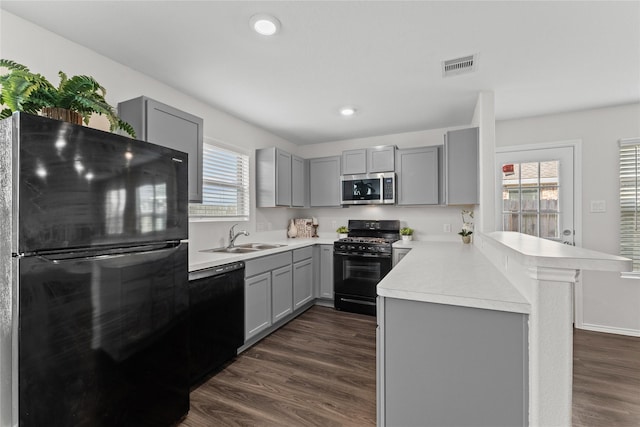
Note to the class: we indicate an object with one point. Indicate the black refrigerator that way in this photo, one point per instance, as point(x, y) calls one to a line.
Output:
point(93, 299)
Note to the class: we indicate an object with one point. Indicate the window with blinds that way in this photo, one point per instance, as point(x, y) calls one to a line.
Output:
point(630, 200)
point(225, 184)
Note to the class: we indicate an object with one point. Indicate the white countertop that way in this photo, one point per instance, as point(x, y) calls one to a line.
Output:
point(534, 252)
point(451, 273)
point(199, 260)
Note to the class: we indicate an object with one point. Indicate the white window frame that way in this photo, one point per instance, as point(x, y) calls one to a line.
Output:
point(630, 203)
point(198, 212)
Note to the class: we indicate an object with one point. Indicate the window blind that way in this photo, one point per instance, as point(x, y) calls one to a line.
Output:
point(225, 184)
point(630, 200)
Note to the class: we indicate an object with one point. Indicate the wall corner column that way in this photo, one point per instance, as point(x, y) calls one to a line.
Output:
point(551, 346)
point(484, 117)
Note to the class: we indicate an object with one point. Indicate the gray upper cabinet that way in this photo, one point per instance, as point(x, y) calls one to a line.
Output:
point(273, 178)
point(281, 179)
point(299, 180)
point(324, 181)
point(161, 124)
point(461, 167)
point(417, 176)
point(381, 159)
point(369, 160)
point(354, 162)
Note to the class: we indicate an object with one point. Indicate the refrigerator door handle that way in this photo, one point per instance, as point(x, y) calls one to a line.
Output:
point(105, 253)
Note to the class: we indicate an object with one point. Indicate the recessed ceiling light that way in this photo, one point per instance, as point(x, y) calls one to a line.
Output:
point(348, 111)
point(266, 25)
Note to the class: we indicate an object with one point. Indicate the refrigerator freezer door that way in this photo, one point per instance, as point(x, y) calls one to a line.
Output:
point(80, 187)
point(103, 341)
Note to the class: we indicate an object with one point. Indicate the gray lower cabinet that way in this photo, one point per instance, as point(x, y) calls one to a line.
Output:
point(257, 295)
point(326, 272)
point(164, 125)
point(417, 175)
point(324, 181)
point(281, 293)
point(461, 167)
point(397, 254)
point(443, 365)
point(302, 283)
point(268, 292)
point(303, 274)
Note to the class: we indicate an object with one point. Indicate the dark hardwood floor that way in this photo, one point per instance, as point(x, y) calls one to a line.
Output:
point(319, 370)
point(606, 380)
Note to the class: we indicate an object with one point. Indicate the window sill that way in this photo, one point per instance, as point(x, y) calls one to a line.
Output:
point(218, 219)
point(630, 275)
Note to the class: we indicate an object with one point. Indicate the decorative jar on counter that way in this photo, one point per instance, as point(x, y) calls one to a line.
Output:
point(292, 231)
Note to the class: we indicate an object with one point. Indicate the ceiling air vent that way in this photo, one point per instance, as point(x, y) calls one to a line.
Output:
point(453, 67)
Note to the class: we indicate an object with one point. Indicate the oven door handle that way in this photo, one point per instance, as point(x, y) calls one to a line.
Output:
point(362, 255)
point(357, 301)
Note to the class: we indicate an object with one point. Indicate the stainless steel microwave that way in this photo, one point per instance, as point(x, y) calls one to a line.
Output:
point(369, 189)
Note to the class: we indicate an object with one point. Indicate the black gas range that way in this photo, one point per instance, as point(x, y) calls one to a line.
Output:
point(360, 261)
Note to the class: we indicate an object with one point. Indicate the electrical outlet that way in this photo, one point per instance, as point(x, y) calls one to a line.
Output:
point(269, 226)
point(598, 206)
point(447, 228)
point(334, 225)
point(260, 226)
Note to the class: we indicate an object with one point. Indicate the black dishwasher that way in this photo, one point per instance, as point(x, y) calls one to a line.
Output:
point(216, 318)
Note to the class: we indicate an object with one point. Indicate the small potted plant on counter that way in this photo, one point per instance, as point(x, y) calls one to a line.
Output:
point(467, 225)
point(342, 232)
point(407, 234)
point(466, 235)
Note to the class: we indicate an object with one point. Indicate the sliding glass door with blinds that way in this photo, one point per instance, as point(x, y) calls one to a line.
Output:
point(630, 200)
point(225, 184)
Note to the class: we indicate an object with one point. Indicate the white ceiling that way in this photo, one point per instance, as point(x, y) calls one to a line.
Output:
point(382, 56)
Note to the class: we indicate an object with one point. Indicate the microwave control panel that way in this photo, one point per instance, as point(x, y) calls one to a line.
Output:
point(387, 191)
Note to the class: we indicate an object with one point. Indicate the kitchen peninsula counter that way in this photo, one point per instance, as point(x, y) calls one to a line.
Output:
point(481, 334)
point(451, 273)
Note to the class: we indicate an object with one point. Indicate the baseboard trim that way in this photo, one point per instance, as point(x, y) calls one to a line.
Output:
point(610, 330)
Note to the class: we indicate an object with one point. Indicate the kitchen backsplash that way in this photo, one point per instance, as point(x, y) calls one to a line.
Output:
point(270, 224)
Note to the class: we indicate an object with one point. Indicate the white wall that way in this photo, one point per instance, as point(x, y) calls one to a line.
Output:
point(610, 303)
point(484, 117)
point(47, 53)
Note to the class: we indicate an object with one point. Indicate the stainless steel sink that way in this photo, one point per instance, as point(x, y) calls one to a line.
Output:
point(244, 248)
point(234, 250)
point(259, 246)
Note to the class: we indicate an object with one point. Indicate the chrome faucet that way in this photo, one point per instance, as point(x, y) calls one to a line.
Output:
point(233, 237)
